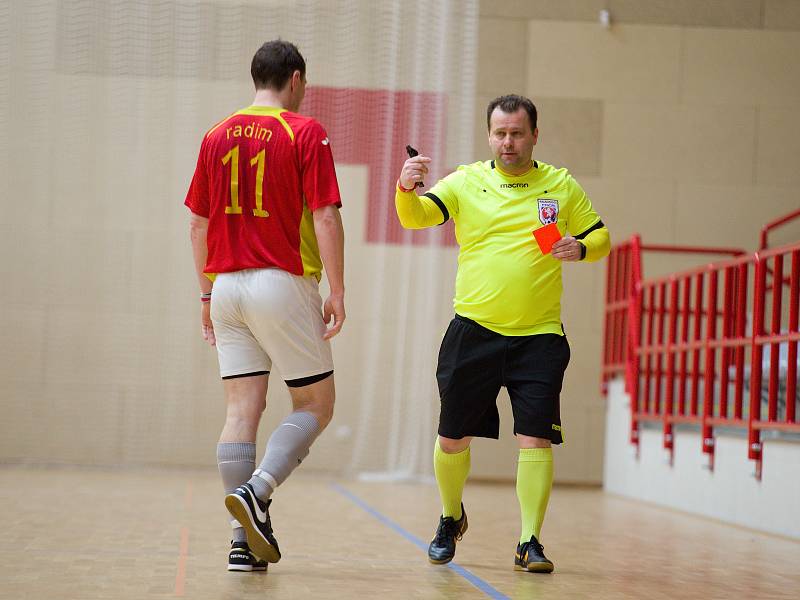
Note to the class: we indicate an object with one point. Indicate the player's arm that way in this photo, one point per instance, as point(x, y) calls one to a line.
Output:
point(330, 239)
point(198, 233)
point(415, 212)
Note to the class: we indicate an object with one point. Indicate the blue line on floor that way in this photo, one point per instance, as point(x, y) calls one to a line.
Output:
point(473, 579)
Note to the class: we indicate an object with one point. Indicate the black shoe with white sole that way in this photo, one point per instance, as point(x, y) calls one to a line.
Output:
point(253, 514)
point(241, 559)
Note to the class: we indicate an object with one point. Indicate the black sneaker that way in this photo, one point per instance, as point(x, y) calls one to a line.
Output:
point(253, 514)
point(443, 546)
point(241, 559)
point(530, 557)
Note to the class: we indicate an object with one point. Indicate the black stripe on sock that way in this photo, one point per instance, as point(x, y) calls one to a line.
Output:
point(440, 204)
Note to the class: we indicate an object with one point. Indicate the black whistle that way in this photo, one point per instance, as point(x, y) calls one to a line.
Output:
point(412, 152)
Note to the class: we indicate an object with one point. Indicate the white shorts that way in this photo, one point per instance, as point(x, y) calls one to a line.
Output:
point(262, 316)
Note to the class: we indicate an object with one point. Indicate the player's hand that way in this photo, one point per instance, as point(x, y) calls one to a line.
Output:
point(206, 327)
point(567, 249)
point(333, 309)
point(414, 170)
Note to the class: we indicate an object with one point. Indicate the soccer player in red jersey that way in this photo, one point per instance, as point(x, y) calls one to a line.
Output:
point(265, 219)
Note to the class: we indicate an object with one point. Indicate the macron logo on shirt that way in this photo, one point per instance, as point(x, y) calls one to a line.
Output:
point(513, 185)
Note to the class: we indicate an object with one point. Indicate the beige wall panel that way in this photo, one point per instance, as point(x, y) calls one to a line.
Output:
point(90, 268)
point(560, 10)
point(778, 145)
point(688, 142)
point(782, 14)
point(155, 261)
point(790, 232)
point(570, 134)
point(24, 417)
point(570, 457)
point(77, 431)
point(582, 411)
point(737, 213)
point(718, 144)
point(24, 339)
point(502, 55)
point(741, 67)
point(629, 205)
point(624, 63)
point(661, 264)
point(640, 142)
point(693, 13)
point(708, 13)
point(480, 136)
point(31, 207)
point(84, 345)
point(24, 281)
point(596, 437)
point(582, 298)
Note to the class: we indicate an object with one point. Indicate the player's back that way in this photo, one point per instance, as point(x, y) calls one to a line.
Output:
point(261, 165)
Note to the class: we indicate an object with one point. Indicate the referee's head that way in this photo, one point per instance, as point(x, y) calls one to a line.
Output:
point(511, 103)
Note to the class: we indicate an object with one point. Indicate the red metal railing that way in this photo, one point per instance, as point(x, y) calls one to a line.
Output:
point(687, 351)
point(774, 225)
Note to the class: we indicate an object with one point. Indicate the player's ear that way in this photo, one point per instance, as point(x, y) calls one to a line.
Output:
point(535, 135)
point(297, 78)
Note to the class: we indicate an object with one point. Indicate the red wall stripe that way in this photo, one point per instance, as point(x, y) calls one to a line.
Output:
point(372, 127)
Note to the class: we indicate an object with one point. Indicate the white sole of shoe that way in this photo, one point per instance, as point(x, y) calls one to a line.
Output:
point(259, 545)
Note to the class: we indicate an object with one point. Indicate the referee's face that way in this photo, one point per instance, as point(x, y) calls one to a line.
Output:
point(511, 140)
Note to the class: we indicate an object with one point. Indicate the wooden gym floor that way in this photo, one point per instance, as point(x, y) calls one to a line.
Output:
point(74, 533)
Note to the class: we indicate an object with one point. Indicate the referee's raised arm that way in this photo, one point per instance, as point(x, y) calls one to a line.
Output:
point(413, 212)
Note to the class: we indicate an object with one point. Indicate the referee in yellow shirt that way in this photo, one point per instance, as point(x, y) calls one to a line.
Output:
point(507, 329)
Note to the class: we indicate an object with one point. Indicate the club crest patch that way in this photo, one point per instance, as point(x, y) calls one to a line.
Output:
point(548, 210)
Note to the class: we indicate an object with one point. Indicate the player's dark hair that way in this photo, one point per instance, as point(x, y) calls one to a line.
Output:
point(510, 104)
point(274, 63)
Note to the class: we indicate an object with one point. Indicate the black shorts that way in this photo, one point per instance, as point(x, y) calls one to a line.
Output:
point(475, 362)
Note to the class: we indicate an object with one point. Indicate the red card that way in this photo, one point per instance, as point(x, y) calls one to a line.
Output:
point(547, 236)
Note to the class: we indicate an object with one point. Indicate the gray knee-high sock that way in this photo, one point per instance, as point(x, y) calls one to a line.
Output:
point(236, 462)
point(287, 447)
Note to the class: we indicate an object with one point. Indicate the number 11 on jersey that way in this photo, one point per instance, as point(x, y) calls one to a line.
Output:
point(258, 161)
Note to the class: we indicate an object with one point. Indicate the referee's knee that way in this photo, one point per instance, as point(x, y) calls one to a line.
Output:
point(452, 446)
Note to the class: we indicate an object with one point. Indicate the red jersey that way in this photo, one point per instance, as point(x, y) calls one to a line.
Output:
point(260, 174)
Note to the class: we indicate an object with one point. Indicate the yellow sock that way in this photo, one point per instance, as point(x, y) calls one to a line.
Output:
point(451, 474)
point(534, 480)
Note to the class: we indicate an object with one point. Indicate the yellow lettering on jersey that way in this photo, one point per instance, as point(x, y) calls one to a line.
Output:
point(252, 131)
point(263, 134)
point(259, 211)
point(232, 157)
